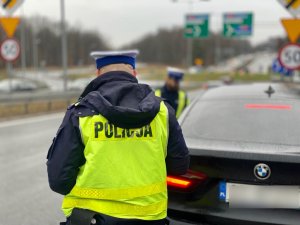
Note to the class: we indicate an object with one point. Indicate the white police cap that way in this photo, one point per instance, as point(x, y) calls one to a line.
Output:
point(104, 58)
point(175, 73)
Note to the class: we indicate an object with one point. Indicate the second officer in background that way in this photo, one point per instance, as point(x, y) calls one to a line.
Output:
point(171, 92)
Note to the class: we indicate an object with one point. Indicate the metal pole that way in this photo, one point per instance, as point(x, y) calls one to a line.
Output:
point(9, 74)
point(217, 48)
point(34, 50)
point(189, 52)
point(189, 57)
point(23, 43)
point(64, 45)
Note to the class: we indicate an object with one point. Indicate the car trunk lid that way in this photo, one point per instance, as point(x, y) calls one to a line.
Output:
point(237, 161)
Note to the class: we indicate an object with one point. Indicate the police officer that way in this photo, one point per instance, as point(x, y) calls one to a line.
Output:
point(114, 149)
point(171, 92)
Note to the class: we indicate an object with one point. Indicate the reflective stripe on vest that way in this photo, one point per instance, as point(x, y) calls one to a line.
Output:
point(116, 194)
point(130, 177)
point(181, 103)
point(120, 210)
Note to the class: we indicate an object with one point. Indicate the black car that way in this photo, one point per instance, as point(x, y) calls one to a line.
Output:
point(244, 143)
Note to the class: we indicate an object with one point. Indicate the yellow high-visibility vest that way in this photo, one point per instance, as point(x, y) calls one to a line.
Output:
point(125, 172)
point(182, 101)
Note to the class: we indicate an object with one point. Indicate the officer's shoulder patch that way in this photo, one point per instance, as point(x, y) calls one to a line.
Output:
point(74, 105)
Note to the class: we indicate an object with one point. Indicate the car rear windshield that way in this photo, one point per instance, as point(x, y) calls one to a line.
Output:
point(270, 121)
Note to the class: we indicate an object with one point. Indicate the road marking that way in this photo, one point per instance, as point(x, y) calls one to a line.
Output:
point(31, 120)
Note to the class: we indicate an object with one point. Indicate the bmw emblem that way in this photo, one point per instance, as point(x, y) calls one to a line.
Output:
point(262, 171)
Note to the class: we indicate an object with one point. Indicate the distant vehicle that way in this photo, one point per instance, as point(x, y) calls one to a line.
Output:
point(245, 158)
point(212, 84)
point(79, 84)
point(17, 85)
point(227, 80)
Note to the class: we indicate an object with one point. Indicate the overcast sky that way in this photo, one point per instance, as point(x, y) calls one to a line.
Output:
point(122, 21)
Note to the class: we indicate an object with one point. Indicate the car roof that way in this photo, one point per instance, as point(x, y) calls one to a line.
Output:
point(249, 91)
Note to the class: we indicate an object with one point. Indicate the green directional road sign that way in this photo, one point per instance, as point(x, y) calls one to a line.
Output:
point(237, 24)
point(197, 26)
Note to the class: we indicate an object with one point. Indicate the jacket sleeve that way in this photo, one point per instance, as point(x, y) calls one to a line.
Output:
point(178, 158)
point(65, 155)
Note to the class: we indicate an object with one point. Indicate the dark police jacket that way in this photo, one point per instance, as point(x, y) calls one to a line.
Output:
point(172, 97)
point(121, 100)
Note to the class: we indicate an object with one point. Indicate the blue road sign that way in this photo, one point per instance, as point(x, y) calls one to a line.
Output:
point(278, 68)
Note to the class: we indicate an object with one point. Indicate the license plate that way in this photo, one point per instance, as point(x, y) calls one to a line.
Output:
point(260, 196)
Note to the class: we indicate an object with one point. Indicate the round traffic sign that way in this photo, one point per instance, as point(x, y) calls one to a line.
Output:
point(10, 50)
point(289, 56)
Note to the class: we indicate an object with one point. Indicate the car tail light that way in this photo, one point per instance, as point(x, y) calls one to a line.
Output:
point(186, 182)
point(178, 182)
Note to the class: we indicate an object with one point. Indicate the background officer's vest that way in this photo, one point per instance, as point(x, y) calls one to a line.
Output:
point(181, 101)
point(125, 173)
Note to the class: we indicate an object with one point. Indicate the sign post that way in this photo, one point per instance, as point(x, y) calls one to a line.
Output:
point(9, 25)
point(277, 68)
point(293, 6)
point(196, 26)
point(9, 51)
point(9, 74)
point(292, 27)
point(289, 56)
point(237, 25)
point(10, 6)
point(10, 47)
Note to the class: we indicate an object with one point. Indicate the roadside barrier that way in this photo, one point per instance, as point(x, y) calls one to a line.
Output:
point(34, 107)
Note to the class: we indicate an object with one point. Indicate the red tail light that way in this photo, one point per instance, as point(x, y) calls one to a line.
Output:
point(178, 182)
point(187, 181)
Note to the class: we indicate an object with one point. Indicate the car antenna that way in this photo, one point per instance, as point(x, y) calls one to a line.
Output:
point(270, 91)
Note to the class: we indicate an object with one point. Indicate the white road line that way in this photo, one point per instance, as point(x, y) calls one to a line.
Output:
point(31, 120)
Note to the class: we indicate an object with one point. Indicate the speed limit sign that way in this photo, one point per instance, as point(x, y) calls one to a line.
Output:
point(10, 50)
point(289, 56)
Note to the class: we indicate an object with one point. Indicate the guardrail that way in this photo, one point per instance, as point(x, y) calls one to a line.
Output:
point(18, 106)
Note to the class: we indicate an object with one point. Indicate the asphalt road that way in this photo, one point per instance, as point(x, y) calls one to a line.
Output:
point(25, 197)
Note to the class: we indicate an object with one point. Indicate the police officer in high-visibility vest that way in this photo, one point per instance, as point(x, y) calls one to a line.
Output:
point(114, 149)
point(171, 92)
